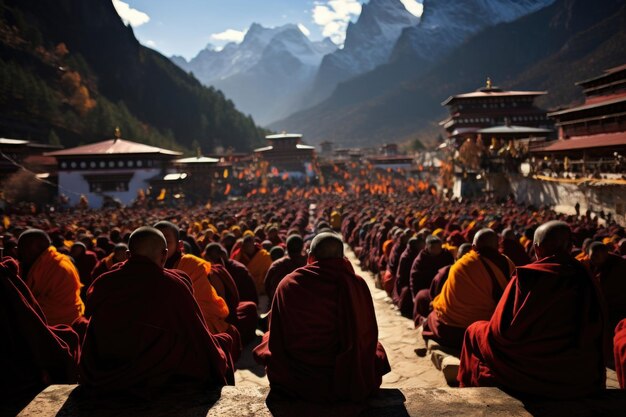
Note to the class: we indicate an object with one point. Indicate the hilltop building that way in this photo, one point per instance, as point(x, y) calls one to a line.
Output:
point(286, 153)
point(595, 129)
point(495, 114)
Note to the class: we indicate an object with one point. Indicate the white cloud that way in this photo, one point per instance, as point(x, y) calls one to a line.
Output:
point(414, 7)
point(304, 29)
point(230, 35)
point(150, 43)
point(333, 17)
point(129, 15)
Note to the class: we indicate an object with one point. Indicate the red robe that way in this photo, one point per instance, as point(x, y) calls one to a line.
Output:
point(243, 314)
point(545, 338)
point(322, 345)
point(619, 348)
point(243, 279)
point(146, 332)
point(279, 269)
point(32, 354)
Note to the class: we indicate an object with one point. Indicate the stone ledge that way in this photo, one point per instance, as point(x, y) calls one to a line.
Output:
point(63, 401)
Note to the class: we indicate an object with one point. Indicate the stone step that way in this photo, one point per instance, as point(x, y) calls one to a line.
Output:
point(66, 401)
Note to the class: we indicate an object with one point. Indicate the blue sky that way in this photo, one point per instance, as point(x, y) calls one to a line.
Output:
point(184, 27)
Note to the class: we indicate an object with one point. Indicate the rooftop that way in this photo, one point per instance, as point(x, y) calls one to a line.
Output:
point(284, 136)
point(270, 147)
point(511, 129)
point(113, 147)
point(585, 142)
point(490, 93)
point(197, 160)
point(606, 73)
point(589, 106)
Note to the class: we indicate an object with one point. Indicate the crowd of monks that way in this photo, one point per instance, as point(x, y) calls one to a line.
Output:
point(138, 302)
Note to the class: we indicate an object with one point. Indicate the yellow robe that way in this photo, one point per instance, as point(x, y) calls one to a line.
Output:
point(257, 266)
point(466, 297)
point(53, 279)
point(213, 307)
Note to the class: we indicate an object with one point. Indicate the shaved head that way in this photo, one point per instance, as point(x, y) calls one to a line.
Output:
point(486, 239)
point(327, 245)
point(552, 238)
point(165, 225)
point(463, 249)
point(508, 234)
point(215, 252)
point(149, 242)
point(31, 244)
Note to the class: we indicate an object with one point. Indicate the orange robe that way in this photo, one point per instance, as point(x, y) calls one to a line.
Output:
point(257, 266)
point(213, 307)
point(466, 297)
point(55, 283)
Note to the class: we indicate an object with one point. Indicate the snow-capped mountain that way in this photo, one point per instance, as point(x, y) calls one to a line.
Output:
point(445, 24)
point(265, 72)
point(369, 43)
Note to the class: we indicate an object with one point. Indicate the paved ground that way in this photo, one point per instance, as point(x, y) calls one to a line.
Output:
point(395, 332)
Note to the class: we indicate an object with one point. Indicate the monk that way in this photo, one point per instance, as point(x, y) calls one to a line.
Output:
point(85, 261)
point(545, 338)
point(213, 307)
point(51, 277)
point(429, 261)
point(402, 292)
point(619, 349)
point(243, 313)
point(33, 354)
point(118, 255)
point(244, 281)
point(322, 345)
point(256, 259)
point(513, 249)
point(425, 297)
point(474, 287)
point(610, 271)
point(285, 265)
point(146, 332)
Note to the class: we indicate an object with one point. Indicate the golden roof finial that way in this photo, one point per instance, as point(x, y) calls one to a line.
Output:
point(117, 133)
point(488, 83)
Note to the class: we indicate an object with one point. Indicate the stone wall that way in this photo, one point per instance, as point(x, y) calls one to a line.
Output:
point(561, 195)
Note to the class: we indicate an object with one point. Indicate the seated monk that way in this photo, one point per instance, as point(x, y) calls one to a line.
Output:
point(256, 259)
point(546, 336)
point(118, 255)
point(213, 307)
point(237, 270)
point(402, 291)
point(243, 314)
point(425, 297)
point(85, 261)
point(429, 261)
point(51, 277)
point(610, 272)
point(285, 265)
point(33, 354)
point(322, 345)
point(474, 287)
point(513, 249)
point(619, 349)
point(146, 331)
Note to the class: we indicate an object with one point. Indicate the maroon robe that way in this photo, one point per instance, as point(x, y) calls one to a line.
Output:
point(242, 314)
point(279, 269)
point(515, 252)
point(146, 332)
point(612, 277)
point(423, 271)
point(32, 354)
point(426, 296)
point(322, 345)
point(545, 338)
point(402, 292)
point(243, 280)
